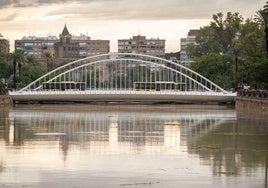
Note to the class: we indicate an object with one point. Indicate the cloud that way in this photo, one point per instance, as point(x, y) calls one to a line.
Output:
point(30, 3)
point(8, 17)
point(141, 9)
point(153, 10)
point(5, 3)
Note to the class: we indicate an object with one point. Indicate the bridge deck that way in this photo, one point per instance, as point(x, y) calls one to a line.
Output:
point(122, 95)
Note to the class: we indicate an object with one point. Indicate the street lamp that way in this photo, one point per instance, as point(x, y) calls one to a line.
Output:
point(237, 37)
point(227, 82)
point(265, 15)
point(236, 71)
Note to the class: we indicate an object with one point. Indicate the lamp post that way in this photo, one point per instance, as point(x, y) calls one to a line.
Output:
point(237, 37)
point(265, 12)
point(227, 82)
point(236, 72)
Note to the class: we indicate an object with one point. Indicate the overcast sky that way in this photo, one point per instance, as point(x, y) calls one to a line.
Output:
point(116, 19)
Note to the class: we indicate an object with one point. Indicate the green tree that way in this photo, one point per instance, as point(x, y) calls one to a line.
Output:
point(5, 66)
point(252, 54)
point(21, 59)
point(262, 18)
point(48, 56)
point(17, 58)
point(4, 70)
point(217, 68)
point(218, 36)
point(30, 71)
point(242, 43)
point(173, 54)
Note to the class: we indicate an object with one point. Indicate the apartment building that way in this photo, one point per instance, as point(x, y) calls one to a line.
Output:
point(190, 39)
point(89, 47)
point(35, 46)
point(76, 47)
point(140, 45)
point(66, 47)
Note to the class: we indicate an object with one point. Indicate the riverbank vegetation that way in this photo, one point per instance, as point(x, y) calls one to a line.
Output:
point(17, 69)
point(232, 51)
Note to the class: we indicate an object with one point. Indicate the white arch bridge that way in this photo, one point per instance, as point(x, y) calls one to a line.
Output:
point(122, 77)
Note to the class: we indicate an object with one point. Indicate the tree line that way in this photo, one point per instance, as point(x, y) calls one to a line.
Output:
point(232, 51)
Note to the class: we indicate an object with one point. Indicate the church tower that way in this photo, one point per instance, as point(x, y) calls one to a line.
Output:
point(65, 36)
point(66, 47)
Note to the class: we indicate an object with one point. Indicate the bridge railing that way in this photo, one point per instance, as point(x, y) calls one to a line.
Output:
point(260, 94)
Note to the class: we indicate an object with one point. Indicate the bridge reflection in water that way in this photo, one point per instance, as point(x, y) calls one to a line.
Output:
point(116, 132)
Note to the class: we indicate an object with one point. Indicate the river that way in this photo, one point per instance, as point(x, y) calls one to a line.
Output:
point(112, 145)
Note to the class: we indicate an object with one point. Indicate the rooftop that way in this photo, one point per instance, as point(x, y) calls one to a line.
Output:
point(193, 32)
point(65, 31)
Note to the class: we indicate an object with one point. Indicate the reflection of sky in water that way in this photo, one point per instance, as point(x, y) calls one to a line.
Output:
point(126, 146)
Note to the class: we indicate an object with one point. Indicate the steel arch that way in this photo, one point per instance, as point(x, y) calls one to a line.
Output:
point(130, 60)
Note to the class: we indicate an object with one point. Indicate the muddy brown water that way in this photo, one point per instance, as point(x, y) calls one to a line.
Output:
point(112, 145)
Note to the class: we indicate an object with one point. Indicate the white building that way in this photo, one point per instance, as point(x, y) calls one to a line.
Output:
point(190, 39)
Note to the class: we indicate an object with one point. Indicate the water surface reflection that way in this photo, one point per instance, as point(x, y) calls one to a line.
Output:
point(130, 146)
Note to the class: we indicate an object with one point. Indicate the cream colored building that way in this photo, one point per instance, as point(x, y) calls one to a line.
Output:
point(140, 45)
point(35, 46)
point(190, 39)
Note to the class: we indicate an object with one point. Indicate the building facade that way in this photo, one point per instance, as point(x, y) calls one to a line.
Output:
point(66, 47)
point(184, 42)
point(140, 45)
point(89, 47)
point(4, 46)
point(75, 47)
point(35, 46)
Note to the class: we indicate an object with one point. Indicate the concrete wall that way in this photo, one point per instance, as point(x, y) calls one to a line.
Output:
point(252, 107)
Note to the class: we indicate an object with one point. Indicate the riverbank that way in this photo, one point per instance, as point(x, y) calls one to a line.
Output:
point(5, 100)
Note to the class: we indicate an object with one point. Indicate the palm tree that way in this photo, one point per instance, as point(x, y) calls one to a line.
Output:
point(1, 36)
point(17, 58)
point(12, 57)
point(48, 55)
point(21, 59)
point(262, 18)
